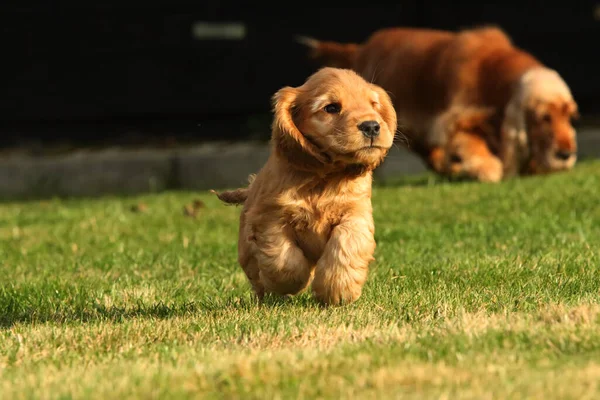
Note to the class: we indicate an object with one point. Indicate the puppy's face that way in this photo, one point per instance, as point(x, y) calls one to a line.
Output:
point(337, 117)
point(470, 157)
point(467, 153)
point(551, 135)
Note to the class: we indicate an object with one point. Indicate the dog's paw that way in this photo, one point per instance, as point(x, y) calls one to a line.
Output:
point(341, 290)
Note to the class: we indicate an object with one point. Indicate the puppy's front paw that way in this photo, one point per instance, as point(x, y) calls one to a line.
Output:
point(338, 287)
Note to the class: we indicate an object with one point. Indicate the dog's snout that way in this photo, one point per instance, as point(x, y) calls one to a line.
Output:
point(369, 128)
point(563, 155)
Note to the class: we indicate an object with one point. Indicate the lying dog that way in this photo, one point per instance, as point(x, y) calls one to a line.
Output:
point(429, 72)
point(466, 145)
point(307, 214)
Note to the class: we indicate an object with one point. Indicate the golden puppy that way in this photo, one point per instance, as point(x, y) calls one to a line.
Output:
point(307, 214)
point(430, 71)
point(465, 145)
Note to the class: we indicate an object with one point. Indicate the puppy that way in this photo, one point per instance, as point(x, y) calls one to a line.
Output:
point(307, 214)
point(431, 71)
point(466, 146)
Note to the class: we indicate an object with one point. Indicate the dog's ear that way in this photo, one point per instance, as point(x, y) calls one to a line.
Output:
point(572, 110)
point(514, 142)
point(387, 111)
point(287, 137)
point(476, 120)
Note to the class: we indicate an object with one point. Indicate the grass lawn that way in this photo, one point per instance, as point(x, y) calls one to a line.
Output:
point(478, 291)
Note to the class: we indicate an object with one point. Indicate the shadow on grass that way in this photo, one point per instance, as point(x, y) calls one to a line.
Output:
point(78, 305)
point(69, 313)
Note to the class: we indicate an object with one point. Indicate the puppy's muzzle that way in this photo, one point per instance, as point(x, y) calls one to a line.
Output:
point(369, 128)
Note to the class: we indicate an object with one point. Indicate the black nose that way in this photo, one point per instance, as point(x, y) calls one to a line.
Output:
point(369, 128)
point(563, 154)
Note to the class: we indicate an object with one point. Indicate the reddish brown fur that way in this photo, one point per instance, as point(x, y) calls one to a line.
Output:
point(307, 215)
point(469, 137)
point(429, 72)
point(235, 197)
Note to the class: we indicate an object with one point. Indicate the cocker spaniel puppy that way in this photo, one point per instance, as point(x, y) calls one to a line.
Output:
point(307, 214)
point(429, 72)
point(466, 145)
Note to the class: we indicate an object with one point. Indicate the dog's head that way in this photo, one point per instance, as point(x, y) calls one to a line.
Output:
point(471, 158)
point(466, 153)
point(334, 120)
point(553, 140)
point(545, 111)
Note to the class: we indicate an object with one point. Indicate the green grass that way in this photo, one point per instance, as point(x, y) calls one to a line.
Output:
point(478, 291)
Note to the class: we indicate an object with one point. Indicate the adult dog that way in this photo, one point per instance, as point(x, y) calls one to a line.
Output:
point(431, 72)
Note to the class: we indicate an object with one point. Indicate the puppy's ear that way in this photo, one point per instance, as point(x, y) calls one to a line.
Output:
point(573, 110)
point(387, 111)
point(476, 120)
point(286, 135)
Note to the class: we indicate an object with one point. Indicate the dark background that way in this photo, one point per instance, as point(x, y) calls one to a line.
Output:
point(116, 71)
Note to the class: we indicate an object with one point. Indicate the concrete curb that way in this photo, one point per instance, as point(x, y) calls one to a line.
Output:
point(207, 166)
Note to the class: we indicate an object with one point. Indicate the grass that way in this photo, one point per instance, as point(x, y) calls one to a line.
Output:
point(478, 291)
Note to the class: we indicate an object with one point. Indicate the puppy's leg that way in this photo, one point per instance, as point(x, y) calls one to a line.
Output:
point(342, 269)
point(283, 268)
point(250, 267)
point(435, 160)
point(246, 250)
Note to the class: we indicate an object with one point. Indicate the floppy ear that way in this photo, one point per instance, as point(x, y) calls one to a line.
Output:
point(480, 121)
point(287, 137)
point(573, 110)
point(475, 120)
point(514, 147)
point(387, 110)
point(443, 127)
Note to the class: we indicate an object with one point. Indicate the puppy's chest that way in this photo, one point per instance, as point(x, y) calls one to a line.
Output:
point(314, 217)
point(312, 224)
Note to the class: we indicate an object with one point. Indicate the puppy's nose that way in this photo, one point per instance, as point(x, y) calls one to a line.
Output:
point(369, 128)
point(563, 154)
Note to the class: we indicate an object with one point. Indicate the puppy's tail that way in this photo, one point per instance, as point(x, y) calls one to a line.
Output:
point(330, 54)
point(237, 196)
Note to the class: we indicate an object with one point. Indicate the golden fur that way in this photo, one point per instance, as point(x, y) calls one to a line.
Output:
point(431, 72)
point(465, 136)
point(307, 214)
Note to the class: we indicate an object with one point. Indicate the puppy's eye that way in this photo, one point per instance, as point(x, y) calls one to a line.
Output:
point(455, 158)
point(333, 108)
point(546, 117)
